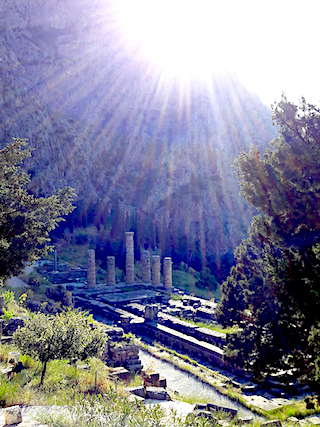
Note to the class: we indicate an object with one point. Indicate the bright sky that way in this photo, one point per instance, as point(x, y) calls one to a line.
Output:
point(273, 46)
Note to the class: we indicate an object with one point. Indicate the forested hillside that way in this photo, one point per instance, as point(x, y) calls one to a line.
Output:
point(141, 154)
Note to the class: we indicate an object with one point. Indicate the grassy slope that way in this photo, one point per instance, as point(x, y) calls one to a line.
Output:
point(187, 282)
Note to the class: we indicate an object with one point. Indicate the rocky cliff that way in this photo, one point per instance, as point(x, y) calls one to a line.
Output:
point(140, 152)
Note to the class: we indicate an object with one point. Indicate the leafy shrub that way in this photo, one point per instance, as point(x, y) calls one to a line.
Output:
point(7, 315)
point(60, 294)
point(8, 297)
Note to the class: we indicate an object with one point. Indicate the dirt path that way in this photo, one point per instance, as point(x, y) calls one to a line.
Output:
point(15, 282)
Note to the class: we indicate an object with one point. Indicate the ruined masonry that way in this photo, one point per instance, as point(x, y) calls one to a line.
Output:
point(109, 300)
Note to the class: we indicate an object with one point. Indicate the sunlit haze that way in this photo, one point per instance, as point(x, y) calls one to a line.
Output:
point(271, 46)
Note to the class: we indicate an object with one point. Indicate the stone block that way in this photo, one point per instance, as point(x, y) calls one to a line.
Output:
point(314, 420)
point(273, 423)
point(262, 403)
point(120, 374)
point(293, 420)
point(13, 325)
point(6, 340)
point(282, 402)
point(154, 377)
point(217, 408)
point(200, 406)
point(244, 420)
point(223, 423)
point(157, 393)
point(200, 413)
point(12, 415)
point(236, 384)
point(138, 400)
point(137, 391)
point(162, 383)
point(136, 367)
point(249, 388)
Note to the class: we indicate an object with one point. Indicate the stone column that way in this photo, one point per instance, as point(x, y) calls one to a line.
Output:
point(1, 305)
point(146, 273)
point(167, 273)
point(111, 271)
point(91, 268)
point(129, 257)
point(156, 270)
point(55, 260)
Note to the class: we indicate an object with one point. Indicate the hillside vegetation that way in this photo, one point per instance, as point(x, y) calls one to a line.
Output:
point(272, 292)
point(140, 156)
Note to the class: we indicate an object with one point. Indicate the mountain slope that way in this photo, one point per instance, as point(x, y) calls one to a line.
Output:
point(141, 153)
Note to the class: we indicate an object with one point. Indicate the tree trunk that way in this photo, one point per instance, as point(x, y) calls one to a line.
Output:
point(44, 368)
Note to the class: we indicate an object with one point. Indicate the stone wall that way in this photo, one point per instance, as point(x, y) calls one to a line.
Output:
point(119, 351)
point(182, 342)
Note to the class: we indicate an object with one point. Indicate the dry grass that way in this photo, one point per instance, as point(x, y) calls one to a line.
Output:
point(63, 382)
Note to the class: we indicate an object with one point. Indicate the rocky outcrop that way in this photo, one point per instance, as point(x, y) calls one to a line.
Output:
point(13, 324)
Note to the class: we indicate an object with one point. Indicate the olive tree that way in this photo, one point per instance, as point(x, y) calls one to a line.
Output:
point(69, 334)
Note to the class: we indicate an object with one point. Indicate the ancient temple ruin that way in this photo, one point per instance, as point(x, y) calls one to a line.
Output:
point(147, 290)
point(143, 306)
point(133, 290)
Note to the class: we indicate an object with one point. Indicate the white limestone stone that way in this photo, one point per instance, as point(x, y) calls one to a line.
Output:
point(12, 415)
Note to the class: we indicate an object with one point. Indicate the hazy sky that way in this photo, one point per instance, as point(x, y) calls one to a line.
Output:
point(273, 46)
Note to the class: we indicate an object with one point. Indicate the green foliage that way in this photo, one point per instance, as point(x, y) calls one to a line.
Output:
point(111, 410)
point(213, 326)
point(8, 390)
point(7, 314)
point(8, 297)
point(272, 292)
point(60, 294)
point(194, 282)
point(314, 346)
point(25, 221)
point(36, 282)
point(68, 334)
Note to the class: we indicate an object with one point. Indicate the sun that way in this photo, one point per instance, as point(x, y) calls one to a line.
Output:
point(180, 38)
